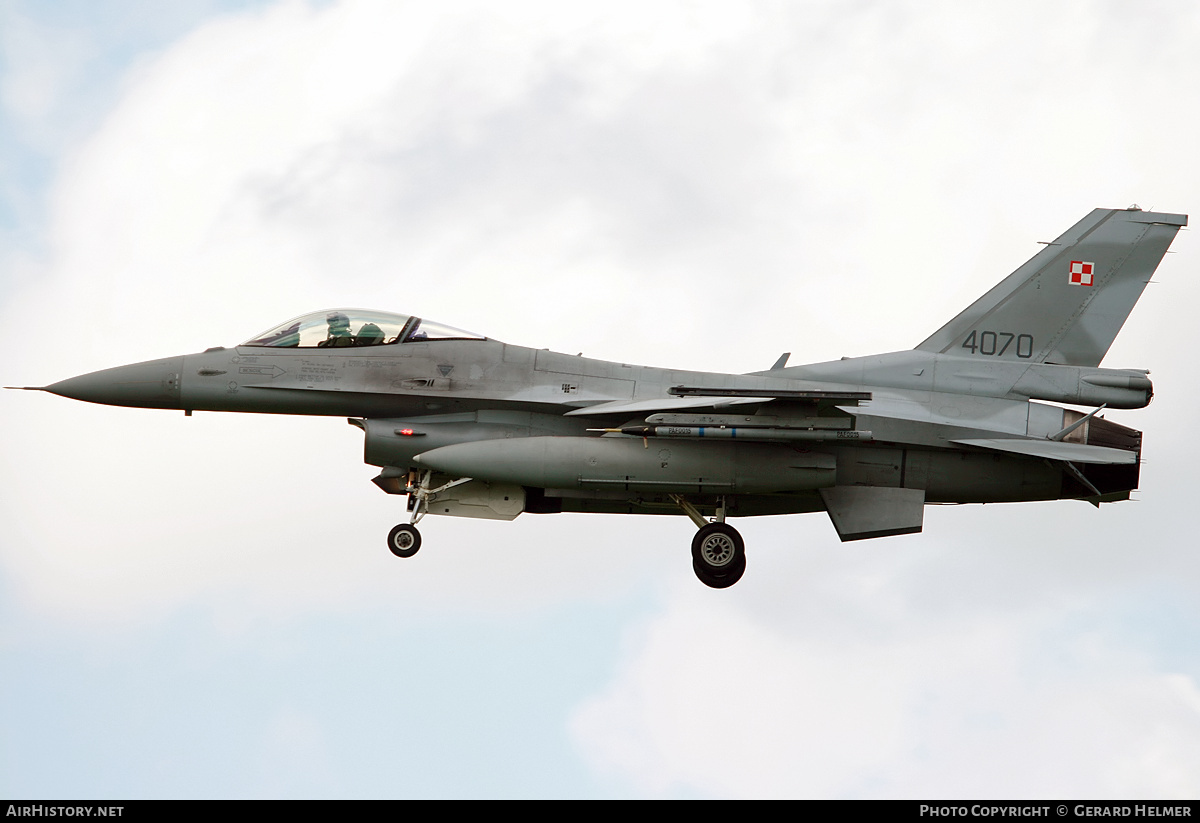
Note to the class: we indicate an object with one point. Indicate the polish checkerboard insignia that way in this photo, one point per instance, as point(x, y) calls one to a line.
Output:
point(1081, 273)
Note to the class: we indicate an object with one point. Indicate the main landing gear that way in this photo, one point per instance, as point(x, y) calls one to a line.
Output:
point(718, 555)
point(718, 552)
point(404, 540)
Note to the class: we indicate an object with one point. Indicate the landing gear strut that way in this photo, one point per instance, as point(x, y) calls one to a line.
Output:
point(718, 552)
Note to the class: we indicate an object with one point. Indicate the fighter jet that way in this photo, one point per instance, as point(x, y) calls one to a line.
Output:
point(467, 426)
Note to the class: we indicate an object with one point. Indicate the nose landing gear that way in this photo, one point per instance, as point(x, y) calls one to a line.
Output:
point(404, 540)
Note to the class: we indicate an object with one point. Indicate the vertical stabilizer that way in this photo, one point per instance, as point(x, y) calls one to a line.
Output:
point(1067, 304)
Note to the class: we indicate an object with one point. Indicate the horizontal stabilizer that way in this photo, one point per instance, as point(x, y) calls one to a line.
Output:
point(1055, 450)
point(862, 512)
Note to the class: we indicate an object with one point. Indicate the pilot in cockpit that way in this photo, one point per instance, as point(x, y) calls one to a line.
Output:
point(339, 330)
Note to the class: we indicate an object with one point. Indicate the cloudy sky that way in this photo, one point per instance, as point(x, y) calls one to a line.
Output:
point(205, 607)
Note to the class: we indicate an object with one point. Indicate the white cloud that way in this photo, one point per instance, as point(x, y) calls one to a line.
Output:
point(711, 701)
point(41, 64)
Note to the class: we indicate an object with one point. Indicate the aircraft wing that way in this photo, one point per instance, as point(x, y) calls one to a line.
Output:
point(663, 404)
point(700, 397)
point(1054, 450)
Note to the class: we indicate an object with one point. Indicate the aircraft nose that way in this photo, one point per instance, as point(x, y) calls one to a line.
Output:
point(150, 385)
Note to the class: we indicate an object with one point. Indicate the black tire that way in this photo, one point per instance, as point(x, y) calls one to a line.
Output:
point(404, 540)
point(720, 581)
point(718, 549)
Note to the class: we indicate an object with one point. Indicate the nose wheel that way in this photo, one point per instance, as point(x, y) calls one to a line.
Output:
point(404, 540)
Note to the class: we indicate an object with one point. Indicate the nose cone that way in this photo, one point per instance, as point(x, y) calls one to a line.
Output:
point(150, 385)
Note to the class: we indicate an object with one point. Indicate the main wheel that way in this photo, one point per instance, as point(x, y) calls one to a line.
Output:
point(720, 581)
point(718, 549)
point(404, 540)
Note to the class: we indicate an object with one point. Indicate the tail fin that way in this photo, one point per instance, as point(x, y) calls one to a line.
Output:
point(1067, 304)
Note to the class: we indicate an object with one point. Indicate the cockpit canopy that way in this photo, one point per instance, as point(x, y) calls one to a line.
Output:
point(356, 327)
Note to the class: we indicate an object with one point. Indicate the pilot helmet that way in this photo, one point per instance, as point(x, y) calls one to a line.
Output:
point(338, 322)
